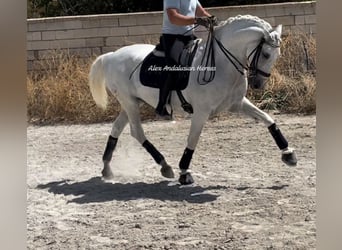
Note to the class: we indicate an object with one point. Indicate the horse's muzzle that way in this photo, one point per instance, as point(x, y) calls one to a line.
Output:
point(256, 82)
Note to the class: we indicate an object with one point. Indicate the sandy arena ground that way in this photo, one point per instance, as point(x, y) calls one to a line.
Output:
point(244, 197)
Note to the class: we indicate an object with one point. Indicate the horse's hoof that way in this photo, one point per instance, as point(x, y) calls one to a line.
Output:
point(167, 172)
point(185, 179)
point(107, 174)
point(289, 157)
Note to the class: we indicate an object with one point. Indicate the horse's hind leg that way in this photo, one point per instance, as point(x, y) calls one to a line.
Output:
point(132, 109)
point(118, 125)
point(288, 154)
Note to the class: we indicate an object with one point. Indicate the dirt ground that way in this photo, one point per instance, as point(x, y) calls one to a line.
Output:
point(244, 197)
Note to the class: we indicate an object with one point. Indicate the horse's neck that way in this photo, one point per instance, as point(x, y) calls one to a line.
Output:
point(235, 45)
point(234, 42)
point(226, 76)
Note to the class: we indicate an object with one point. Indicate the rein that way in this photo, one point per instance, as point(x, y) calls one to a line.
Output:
point(208, 57)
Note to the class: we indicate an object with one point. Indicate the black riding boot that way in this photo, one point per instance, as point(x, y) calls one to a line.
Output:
point(163, 95)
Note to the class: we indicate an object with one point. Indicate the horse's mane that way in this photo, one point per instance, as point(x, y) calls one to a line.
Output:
point(245, 21)
point(248, 20)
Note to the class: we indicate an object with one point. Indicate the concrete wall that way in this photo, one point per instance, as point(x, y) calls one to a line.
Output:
point(96, 34)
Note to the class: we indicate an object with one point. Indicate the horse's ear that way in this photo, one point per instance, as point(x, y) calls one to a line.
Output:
point(279, 29)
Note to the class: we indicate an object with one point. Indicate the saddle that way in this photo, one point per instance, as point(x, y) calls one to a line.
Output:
point(154, 69)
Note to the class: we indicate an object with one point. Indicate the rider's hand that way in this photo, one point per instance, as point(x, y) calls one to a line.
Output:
point(207, 21)
point(203, 21)
point(214, 20)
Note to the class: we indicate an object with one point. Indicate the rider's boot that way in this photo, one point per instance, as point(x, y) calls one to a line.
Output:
point(163, 95)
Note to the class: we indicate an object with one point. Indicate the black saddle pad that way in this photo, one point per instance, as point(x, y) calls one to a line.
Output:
point(153, 73)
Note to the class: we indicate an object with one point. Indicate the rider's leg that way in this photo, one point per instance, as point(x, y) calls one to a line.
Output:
point(168, 41)
point(163, 95)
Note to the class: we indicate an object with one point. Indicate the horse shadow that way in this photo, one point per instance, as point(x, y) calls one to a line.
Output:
point(96, 190)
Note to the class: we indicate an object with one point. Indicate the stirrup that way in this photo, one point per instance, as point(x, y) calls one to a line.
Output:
point(185, 105)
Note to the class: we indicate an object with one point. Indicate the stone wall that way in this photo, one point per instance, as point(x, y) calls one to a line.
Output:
point(96, 34)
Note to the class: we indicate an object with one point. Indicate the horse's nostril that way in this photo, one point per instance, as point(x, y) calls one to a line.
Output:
point(255, 83)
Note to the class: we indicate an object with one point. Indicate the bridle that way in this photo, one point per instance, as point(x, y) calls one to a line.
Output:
point(209, 58)
point(253, 70)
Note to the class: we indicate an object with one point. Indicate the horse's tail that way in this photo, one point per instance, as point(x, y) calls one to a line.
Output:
point(97, 83)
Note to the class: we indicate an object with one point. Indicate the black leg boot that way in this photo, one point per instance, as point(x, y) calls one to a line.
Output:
point(163, 95)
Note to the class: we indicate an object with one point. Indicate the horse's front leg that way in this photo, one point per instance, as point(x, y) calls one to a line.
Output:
point(288, 154)
point(197, 123)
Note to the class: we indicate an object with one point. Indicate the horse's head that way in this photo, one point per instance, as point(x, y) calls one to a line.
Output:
point(262, 57)
point(250, 44)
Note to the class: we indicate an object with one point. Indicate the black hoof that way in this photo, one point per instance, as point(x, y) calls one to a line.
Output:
point(289, 158)
point(167, 172)
point(185, 179)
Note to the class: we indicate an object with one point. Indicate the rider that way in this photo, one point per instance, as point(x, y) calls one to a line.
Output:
point(179, 18)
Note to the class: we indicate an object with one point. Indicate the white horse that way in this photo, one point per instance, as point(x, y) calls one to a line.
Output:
point(245, 49)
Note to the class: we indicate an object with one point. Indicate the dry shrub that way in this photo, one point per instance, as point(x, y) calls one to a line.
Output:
point(298, 55)
point(288, 95)
point(60, 94)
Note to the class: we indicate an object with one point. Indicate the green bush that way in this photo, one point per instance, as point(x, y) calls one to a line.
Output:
point(50, 8)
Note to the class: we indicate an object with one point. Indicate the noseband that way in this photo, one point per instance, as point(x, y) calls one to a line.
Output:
point(253, 67)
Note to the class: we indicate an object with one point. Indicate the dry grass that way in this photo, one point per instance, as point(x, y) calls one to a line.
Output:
point(60, 93)
point(287, 95)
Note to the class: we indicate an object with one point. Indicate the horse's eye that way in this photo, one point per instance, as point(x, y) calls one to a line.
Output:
point(266, 55)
